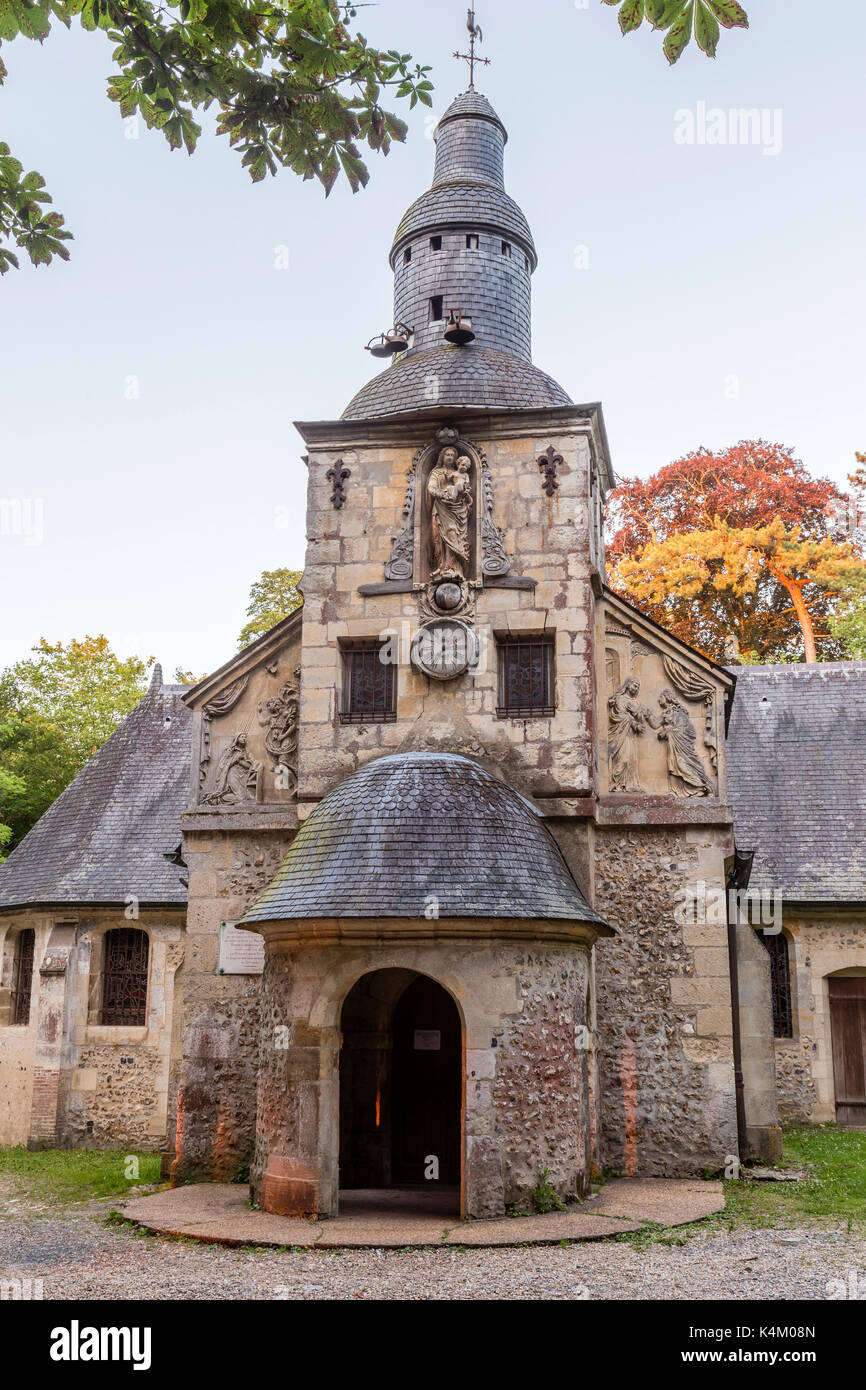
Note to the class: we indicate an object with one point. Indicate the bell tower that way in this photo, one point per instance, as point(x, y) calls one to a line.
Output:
point(455, 511)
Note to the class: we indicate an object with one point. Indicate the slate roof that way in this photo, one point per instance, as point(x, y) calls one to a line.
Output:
point(415, 824)
point(797, 778)
point(472, 103)
point(470, 377)
point(465, 202)
point(104, 837)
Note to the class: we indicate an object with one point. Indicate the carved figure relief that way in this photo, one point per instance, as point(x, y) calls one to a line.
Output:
point(221, 704)
point(237, 778)
point(254, 725)
point(625, 724)
point(685, 773)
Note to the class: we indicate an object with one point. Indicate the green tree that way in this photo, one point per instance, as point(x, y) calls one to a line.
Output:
point(272, 598)
point(292, 84)
point(680, 19)
point(56, 708)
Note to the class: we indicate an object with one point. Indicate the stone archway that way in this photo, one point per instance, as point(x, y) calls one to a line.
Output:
point(401, 1091)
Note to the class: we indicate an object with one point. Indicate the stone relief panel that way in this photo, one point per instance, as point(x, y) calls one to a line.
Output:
point(659, 720)
point(249, 738)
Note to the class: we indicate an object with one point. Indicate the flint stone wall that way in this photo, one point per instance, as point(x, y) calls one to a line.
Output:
point(523, 1010)
point(664, 1043)
point(215, 1086)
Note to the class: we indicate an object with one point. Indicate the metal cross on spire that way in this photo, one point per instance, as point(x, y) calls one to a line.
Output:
point(475, 36)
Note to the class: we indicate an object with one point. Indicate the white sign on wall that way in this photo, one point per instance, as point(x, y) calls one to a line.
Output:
point(241, 952)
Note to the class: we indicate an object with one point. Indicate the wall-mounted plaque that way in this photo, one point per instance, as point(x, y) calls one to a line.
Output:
point(241, 952)
point(428, 1040)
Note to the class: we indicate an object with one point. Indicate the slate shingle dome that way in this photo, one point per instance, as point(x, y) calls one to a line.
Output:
point(464, 244)
point(106, 836)
point(418, 824)
point(473, 377)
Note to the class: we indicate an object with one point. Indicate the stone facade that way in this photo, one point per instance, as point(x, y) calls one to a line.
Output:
point(820, 946)
point(68, 1080)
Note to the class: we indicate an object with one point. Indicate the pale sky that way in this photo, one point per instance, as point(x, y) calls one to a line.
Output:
point(705, 293)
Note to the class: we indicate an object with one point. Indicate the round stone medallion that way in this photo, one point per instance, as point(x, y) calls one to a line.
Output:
point(447, 595)
point(444, 649)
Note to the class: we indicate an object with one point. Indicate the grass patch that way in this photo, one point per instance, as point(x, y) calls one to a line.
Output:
point(63, 1176)
point(833, 1194)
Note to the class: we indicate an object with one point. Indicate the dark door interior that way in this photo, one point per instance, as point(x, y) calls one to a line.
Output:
point(401, 1084)
point(427, 1076)
point(848, 1029)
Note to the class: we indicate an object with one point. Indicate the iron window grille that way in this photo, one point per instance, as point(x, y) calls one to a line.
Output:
point(780, 984)
point(22, 977)
point(124, 977)
point(526, 677)
point(369, 686)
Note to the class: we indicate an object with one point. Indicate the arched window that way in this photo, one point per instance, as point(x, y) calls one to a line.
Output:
point(780, 984)
point(22, 977)
point(124, 977)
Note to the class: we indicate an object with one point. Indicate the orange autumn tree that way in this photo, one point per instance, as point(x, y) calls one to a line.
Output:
point(738, 552)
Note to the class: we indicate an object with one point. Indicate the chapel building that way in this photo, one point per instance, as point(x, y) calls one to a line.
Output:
point(430, 884)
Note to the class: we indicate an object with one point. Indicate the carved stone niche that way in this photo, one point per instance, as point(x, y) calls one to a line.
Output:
point(660, 718)
point(249, 737)
point(449, 541)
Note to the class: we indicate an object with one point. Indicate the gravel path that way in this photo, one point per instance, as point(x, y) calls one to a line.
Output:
point(78, 1258)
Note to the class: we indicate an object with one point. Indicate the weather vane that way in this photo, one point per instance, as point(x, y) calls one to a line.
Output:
point(475, 36)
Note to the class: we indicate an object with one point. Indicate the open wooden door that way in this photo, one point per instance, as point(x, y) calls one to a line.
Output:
point(848, 1029)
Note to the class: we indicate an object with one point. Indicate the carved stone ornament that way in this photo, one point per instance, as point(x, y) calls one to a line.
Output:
point(444, 649)
point(548, 462)
point(338, 475)
point(280, 717)
point(450, 596)
point(698, 690)
point(494, 560)
point(451, 519)
point(401, 562)
point(221, 704)
point(237, 778)
point(628, 721)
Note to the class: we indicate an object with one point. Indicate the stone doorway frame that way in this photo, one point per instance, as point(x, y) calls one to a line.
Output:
point(416, 974)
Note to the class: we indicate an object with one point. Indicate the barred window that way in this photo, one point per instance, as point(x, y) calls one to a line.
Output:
point(124, 977)
point(22, 977)
point(780, 984)
point(526, 677)
point(369, 686)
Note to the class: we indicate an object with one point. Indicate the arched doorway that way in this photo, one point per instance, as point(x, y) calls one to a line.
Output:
point(401, 1090)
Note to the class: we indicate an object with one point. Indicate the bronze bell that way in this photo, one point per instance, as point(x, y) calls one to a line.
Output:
point(398, 338)
point(459, 329)
point(378, 347)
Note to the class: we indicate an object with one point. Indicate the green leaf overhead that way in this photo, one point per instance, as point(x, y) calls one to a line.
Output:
point(682, 19)
point(292, 85)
